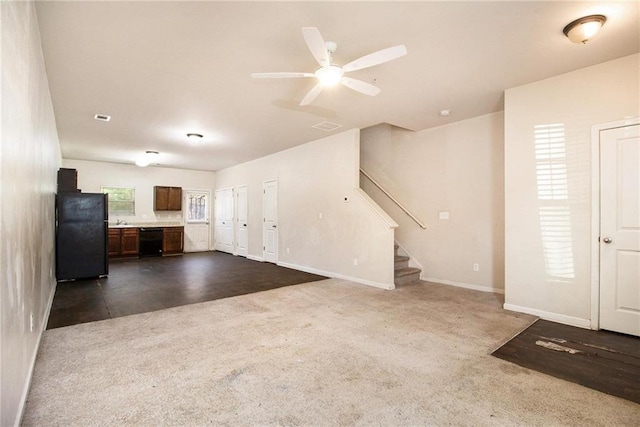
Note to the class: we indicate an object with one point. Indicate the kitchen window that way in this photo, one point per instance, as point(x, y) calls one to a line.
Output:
point(122, 200)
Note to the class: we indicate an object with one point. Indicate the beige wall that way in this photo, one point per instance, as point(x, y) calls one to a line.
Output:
point(547, 241)
point(456, 168)
point(93, 175)
point(30, 157)
point(315, 178)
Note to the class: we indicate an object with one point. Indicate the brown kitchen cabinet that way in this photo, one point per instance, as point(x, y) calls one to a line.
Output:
point(123, 241)
point(173, 240)
point(115, 236)
point(167, 198)
point(129, 241)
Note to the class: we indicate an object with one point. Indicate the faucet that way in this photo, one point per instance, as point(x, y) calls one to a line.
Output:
point(120, 222)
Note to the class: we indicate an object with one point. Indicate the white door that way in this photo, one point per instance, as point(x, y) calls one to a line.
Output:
point(242, 238)
point(270, 223)
point(196, 225)
point(224, 220)
point(620, 230)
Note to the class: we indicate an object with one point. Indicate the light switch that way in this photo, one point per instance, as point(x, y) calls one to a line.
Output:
point(443, 215)
point(319, 215)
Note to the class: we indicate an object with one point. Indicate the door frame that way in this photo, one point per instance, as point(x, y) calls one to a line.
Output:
point(595, 212)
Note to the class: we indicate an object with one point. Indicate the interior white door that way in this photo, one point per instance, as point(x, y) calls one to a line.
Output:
point(224, 220)
point(197, 230)
point(242, 236)
point(270, 223)
point(620, 229)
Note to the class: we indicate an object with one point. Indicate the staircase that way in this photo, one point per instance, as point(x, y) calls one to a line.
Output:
point(403, 274)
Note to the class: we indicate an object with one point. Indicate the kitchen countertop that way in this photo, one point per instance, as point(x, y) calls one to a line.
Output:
point(147, 224)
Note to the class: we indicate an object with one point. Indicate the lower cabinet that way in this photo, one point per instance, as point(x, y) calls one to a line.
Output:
point(129, 241)
point(115, 236)
point(123, 241)
point(173, 240)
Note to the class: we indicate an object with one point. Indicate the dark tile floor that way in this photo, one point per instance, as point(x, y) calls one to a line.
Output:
point(148, 284)
point(602, 360)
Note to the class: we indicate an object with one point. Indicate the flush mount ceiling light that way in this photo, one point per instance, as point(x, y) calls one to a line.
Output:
point(584, 29)
point(147, 158)
point(194, 137)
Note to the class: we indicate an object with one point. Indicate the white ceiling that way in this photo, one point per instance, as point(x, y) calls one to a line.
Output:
point(164, 69)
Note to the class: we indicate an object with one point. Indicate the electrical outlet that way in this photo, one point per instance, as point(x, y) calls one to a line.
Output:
point(319, 215)
point(287, 251)
point(476, 266)
point(355, 261)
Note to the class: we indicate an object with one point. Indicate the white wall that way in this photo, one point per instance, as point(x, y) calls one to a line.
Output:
point(30, 157)
point(314, 178)
point(456, 168)
point(541, 277)
point(93, 175)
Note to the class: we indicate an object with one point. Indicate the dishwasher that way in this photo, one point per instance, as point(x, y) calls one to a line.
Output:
point(150, 242)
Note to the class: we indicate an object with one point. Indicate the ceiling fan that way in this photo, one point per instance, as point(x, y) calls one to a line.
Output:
point(329, 74)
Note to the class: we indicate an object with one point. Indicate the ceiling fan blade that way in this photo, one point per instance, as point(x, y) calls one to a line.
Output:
point(316, 44)
point(313, 93)
point(360, 86)
point(280, 75)
point(375, 58)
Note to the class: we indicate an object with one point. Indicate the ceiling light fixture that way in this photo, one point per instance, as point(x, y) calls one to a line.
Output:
point(194, 138)
point(329, 76)
point(584, 29)
point(147, 158)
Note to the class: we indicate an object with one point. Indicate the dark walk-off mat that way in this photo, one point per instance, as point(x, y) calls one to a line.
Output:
point(605, 361)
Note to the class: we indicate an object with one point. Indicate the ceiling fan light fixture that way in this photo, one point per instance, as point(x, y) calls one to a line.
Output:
point(329, 76)
point(584, 29)
point(147, 158)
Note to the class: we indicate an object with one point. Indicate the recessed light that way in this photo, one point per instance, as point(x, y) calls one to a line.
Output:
point(102, 117)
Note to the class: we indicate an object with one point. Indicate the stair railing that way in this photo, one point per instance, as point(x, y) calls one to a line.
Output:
point(393, 199)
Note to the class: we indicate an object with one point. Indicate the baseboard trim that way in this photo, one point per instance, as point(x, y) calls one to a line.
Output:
point(32, 362)
point(554, 317)
point(481, 288)
point(337, 276)
point(255, 258)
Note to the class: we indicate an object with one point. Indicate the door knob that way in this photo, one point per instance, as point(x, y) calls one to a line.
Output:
point(273, 226)
point(607, 240)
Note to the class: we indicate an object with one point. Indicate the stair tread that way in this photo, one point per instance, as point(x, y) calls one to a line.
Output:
point(401, 258)
point(406, 271)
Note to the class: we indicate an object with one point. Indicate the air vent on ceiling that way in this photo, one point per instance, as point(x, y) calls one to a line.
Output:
point(102, 117)
point(327, 126)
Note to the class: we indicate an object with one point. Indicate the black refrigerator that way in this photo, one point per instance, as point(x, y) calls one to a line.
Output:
point(81, 235)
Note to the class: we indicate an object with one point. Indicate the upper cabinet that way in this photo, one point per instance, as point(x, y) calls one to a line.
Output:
point(167, 198)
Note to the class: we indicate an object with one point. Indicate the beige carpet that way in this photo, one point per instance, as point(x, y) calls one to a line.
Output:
point(320, 354)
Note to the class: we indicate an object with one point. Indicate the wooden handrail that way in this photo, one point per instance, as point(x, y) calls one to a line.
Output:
point(393, 199)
